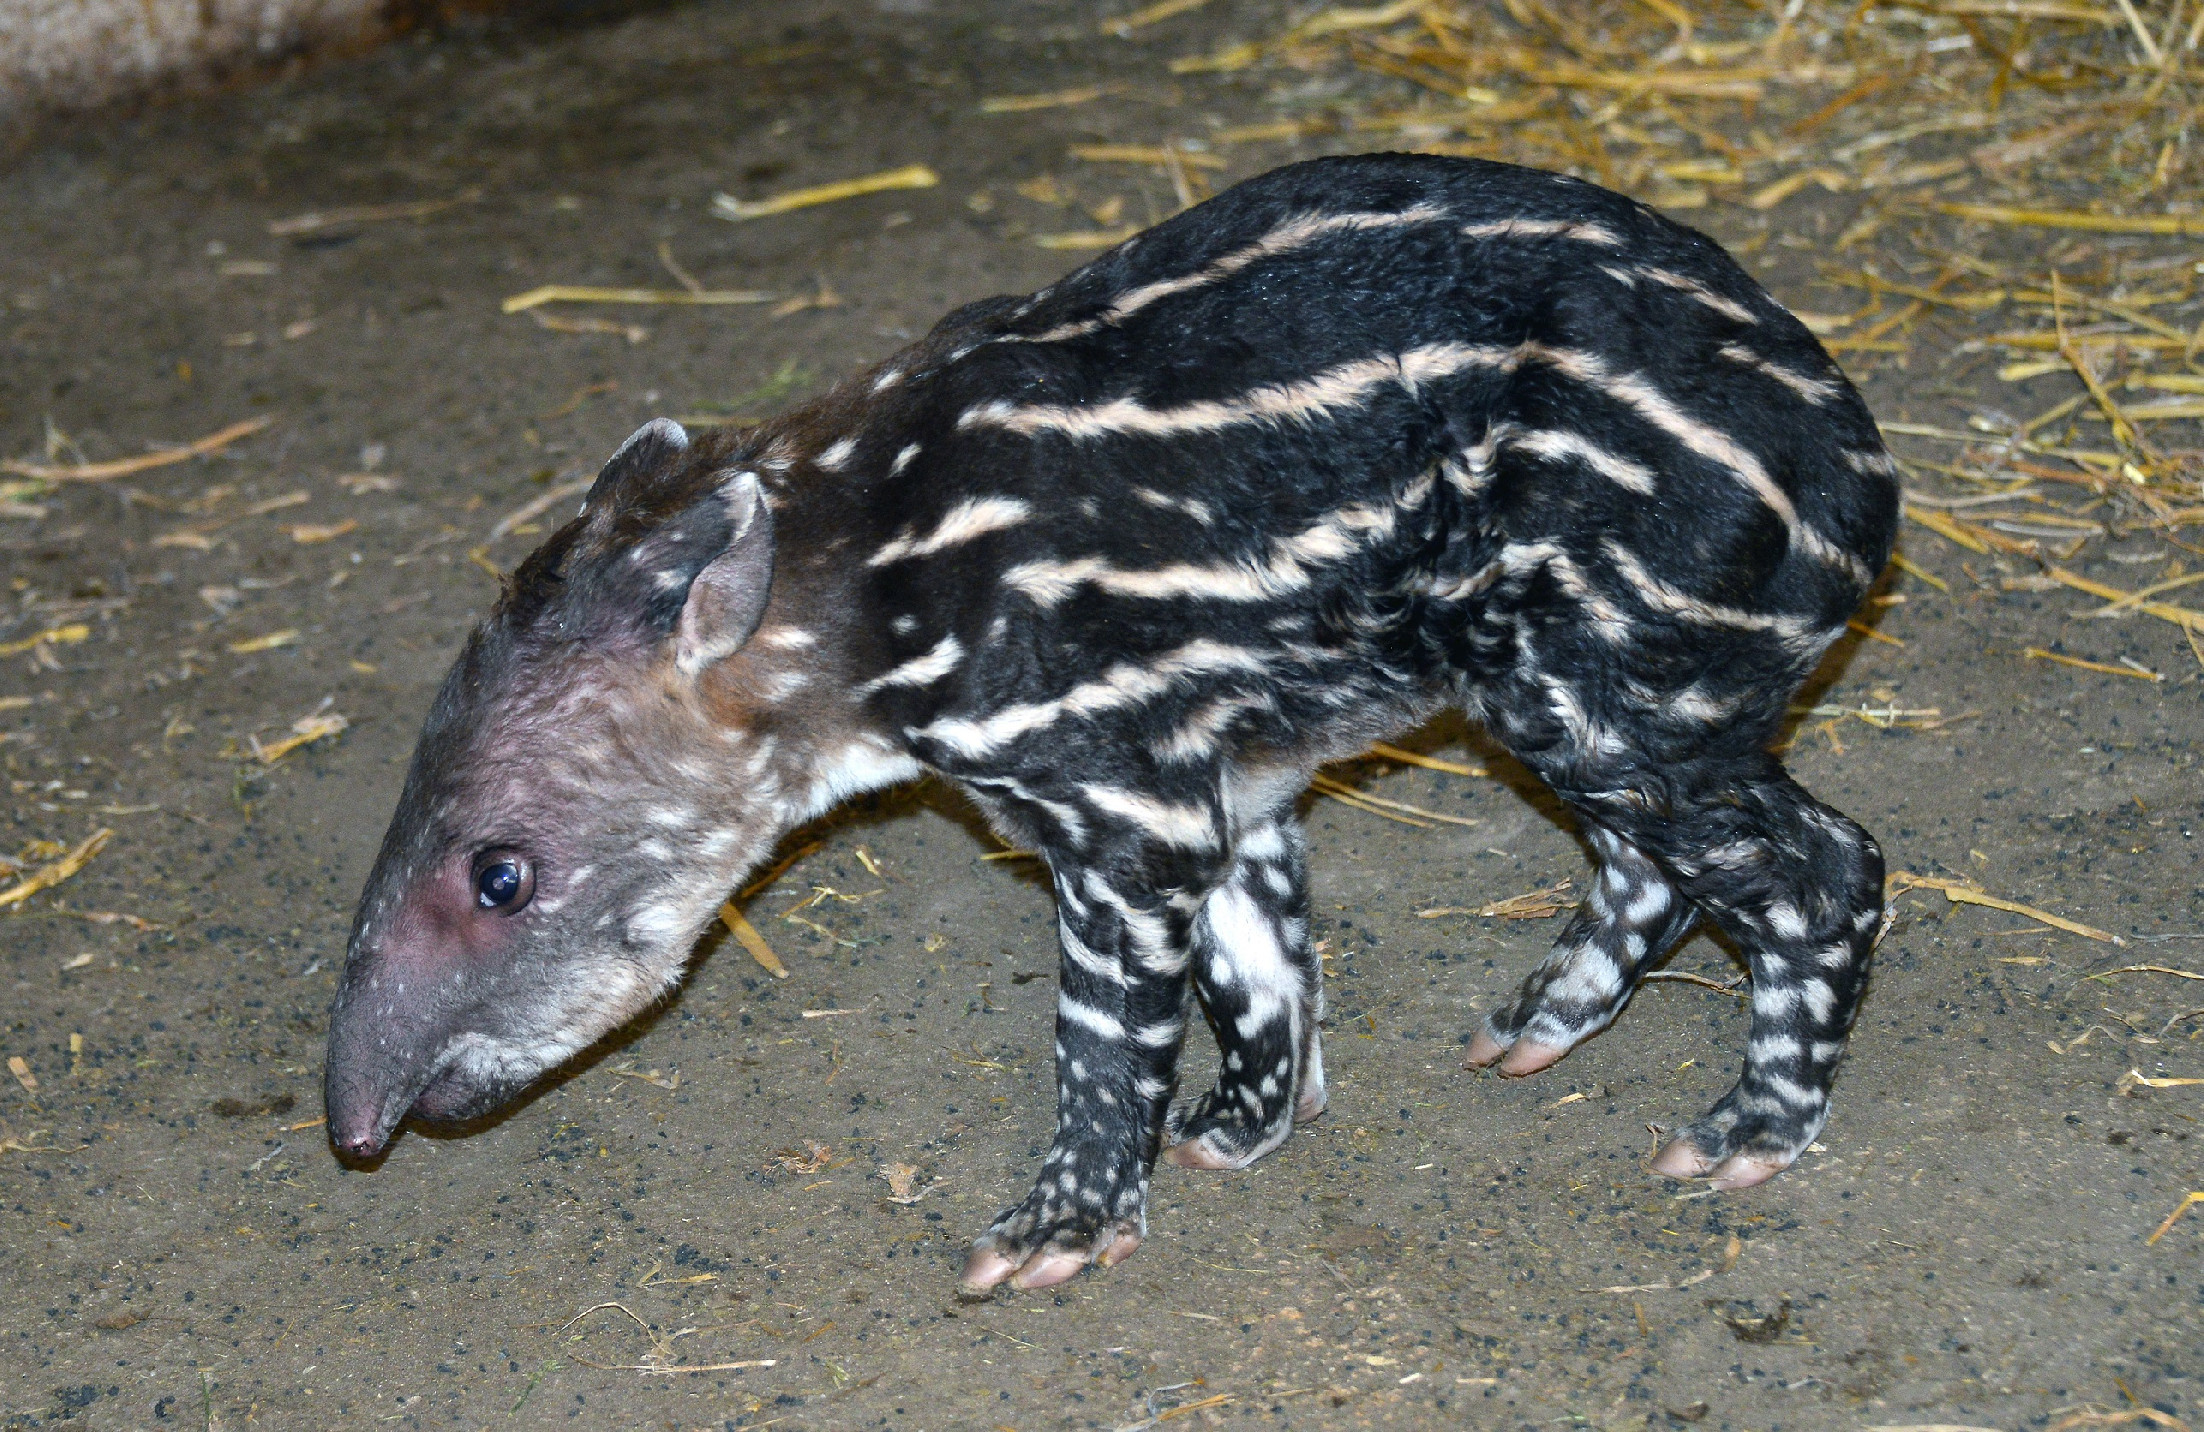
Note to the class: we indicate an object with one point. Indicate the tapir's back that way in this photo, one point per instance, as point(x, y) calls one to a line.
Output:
point(1387, 410)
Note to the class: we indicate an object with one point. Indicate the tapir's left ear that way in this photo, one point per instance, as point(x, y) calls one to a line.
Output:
point(651, 454)
point(727, 600)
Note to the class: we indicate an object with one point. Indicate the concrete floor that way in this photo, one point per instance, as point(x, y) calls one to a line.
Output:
point(1967, 1244)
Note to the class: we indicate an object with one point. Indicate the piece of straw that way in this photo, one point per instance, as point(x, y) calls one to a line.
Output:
point(47, 876)
point(124, 466)
point(1162, 156)
point(1331, 787)
point(2194, 1198)
point(746, 935)
point(2164, 611)
point(1085, 239)
point(2177, 224)
point(586, 293)
point(1347, 795)
point(68, 635)
point(1963, 894)
point(1429, 763)
point(1059, 99)
point(1124, 25)
point(910, 176)
point(2037, 653)
point(314, 223)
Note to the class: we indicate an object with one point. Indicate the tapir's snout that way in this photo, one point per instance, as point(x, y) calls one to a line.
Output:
point(428, 1029)
point(382, 1057)
point(419, 1026)
point(357, 1124)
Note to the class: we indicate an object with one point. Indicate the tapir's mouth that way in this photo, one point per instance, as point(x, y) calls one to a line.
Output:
point(363, 1119)
point(453, 1097)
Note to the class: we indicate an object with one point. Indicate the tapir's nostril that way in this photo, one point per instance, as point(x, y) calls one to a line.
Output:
point(359, 1143)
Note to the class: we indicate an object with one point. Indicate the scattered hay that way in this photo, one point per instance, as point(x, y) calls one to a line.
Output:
point(2090, 1417)
point(1386, 752)
point(811, 1158)
point(318, 726)
point(2142, 673)
point(1083, 239)
point(1393, 810)
point(1963, 893)
point(659, 1361)
point(2145, 970)
point(1124, 25)
point(1531, 905)
point(1942, 121)
point(47, 876)
point(1734, 986)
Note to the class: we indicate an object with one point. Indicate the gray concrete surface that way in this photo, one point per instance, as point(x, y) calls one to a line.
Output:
point(1967, 1245)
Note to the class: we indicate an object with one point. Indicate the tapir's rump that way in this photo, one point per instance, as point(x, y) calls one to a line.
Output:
point(1354, 441)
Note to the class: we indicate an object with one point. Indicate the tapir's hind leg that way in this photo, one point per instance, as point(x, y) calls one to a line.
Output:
point(1799, 888)
point(1630, 918)
point(1263, 989)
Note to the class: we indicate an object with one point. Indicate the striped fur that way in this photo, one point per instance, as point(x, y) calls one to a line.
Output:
point(1354, 441)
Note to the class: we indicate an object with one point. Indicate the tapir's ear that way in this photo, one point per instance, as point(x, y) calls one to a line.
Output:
point(652, 449)
point(727, 599)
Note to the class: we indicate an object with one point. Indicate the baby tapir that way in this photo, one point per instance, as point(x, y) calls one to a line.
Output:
point(1354, 441)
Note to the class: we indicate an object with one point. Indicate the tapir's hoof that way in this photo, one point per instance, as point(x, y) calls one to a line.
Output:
point(1484, 1051)
point(1681, 1159)
point(1745, 1170)
point(1529, 1057)
point(1046, 1270)
point(1201, 1153)
point(1524, 1056)
point(1685, 1159)
point(987, 1269)
point(983, 1270)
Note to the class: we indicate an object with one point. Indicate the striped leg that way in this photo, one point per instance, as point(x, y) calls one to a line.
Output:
point(1263, 989)
point(1120, 1018)
point(1799, 887)
point(1629, 920)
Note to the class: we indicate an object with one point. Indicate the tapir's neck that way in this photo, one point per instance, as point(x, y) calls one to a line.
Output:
point(800, 682)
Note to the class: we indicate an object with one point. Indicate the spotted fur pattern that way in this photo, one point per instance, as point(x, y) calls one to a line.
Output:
point(1353, 442)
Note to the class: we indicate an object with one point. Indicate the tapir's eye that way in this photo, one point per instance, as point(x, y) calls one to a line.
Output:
point(503, 881)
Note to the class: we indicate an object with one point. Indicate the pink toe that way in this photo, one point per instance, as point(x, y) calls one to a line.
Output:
point(1046, 1270)
point(1310, 1105)
point(1483, 1050)
point(1527, 1057)
point(1123, 1246)
point(1196, 1153)
point(984, 1269)
point(1744, 1171)
point(1681, 1159)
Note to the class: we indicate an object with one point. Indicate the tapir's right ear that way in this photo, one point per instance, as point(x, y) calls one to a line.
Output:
point(727, 600)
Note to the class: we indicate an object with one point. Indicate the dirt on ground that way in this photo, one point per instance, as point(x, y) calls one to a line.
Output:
point(749, 1208)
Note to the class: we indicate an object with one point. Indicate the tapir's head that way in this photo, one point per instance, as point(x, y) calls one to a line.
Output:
point(588, 786)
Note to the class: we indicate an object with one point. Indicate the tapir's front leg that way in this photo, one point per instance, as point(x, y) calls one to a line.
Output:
point(1262, 986)
point(1120, 1018)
